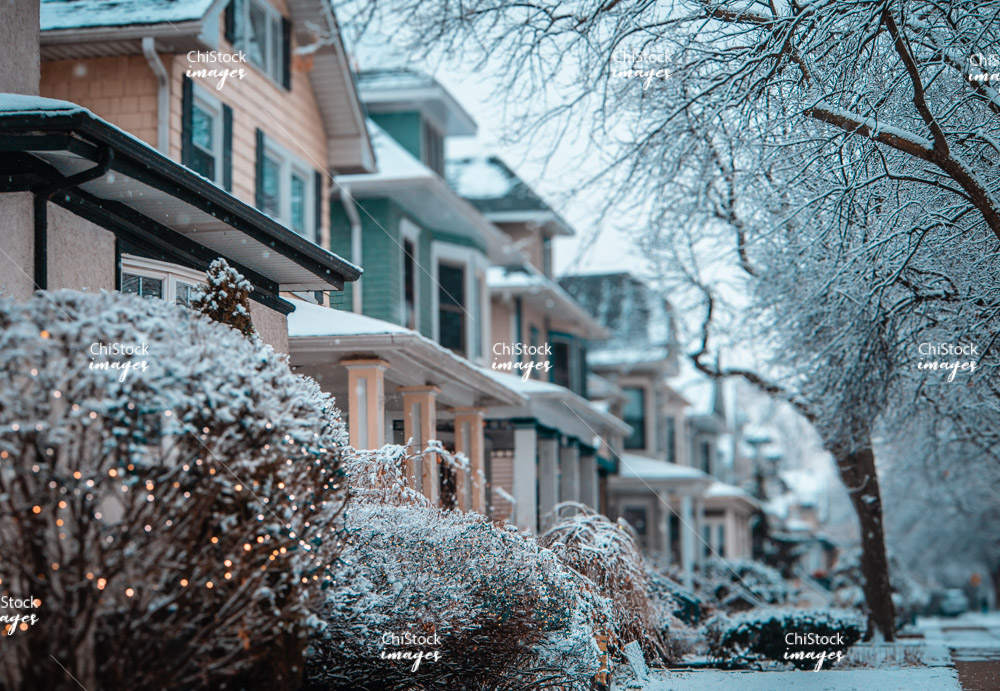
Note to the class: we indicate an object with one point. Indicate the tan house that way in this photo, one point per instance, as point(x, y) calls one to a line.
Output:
point(87, 205)
point(189, 78)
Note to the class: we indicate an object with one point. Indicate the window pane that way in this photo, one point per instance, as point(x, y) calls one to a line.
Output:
point(202, 125)
point(635, 416)
point(257, 36)
point(409, 286)
point(560, 363)
point(451, 282)
point(184, 293)
point(203, 163)
point(298, 203)
point(142, 285)
point(452, 328)
point(272, 187)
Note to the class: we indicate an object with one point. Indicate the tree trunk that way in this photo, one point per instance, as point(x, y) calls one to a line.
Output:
point(857, 470)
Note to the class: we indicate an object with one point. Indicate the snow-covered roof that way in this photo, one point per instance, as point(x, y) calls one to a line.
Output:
point(498, 192)
point(726, 493)
point(129, 172)
point(424, 194)
point(557, 407)
point(638, 320)
point(77, 14)
point(543, 293)
point(642, 467)
point(316, 320)
point(320, 336)
point(401, 89)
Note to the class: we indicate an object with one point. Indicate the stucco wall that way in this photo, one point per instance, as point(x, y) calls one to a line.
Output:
point(271, 325)
point(19, 47)
point(17, 240)
point(81, 254)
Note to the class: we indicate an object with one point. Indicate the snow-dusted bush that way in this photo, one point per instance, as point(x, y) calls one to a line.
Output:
point(742, 584)
point(506, 612)
point(767, 633)
point(175, 513)
point(608, 555)
point(670, 596)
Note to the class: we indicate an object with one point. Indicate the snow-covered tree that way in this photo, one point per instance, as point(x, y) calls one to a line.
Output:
point(175, 508)
point(225, 297)
point(842, 155)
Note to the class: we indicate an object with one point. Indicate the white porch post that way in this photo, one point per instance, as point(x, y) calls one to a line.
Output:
point(420, 424)
point(366, 402)
point(525, 476)
point(701, 548)
point(688, 540)
point(733, 549)
point(569, 472)
point(588, 480)
point(548, 487)
point(665, 512)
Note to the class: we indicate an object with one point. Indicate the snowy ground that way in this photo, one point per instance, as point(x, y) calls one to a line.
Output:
point(972, 642)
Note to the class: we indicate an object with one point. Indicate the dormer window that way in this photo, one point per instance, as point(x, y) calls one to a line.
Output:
point(634, 415)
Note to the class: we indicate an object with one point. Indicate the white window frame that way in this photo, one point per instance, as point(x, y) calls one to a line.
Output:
point(474, 264)
point(170, 274)
point(409, 231)
point(287, 164)
point(274, 17)
point(213, 106)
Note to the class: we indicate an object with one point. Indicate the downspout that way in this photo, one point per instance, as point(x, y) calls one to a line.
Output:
point(351, 209)
point(162, 94)
point(42, 197)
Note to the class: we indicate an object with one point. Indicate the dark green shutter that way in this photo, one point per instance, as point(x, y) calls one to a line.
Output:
point(187, 112)
point(260, 169)
point(227, 148)
point(286, 57)
point(318, 213)
point(229, 19)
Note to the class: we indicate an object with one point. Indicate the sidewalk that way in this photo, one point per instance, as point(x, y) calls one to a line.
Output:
point(973, 645)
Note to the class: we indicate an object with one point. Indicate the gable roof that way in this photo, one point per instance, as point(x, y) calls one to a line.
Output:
point(638, 320)
point(496, 190)
point(98, 28)
point(527, 282)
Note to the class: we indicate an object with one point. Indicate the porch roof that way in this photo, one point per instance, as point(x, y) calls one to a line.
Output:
point(723, 494)
point(637, 471)
point(321, 337)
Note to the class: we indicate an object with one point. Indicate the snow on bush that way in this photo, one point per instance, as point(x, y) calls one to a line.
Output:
point(608, 555)
point(505, 612)
point(741, 584)
point(176, 513)
point(225, 297)
point(767, 634)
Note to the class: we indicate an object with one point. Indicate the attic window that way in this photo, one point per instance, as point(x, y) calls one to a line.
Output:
point(259, 30)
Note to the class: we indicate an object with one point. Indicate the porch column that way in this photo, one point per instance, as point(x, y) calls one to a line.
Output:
point(701, 548)
point(733, 550)
point(366, 402)
point(548, 483)
point(688, 539)
point(525, 476)
point(665, 512)
point(569, 471)
point(469, 440)
point(588, 480)
point(420, 424)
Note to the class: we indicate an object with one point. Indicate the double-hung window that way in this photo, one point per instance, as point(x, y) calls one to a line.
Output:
point(206, 136)
point(451, 307)
point(286, 188)
point(259, 30)
point(634, 415)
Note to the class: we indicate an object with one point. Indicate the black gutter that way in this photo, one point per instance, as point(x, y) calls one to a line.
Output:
point(138, 160)
point(42, 197)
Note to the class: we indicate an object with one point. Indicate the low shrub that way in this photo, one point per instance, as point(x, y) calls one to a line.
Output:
point(607, 554)
point(500, 611)
point(739, 585)
point(754, 637)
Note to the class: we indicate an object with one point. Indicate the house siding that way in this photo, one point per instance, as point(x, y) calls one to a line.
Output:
point(404, 127)
point(17, 240)
point(81, 254)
